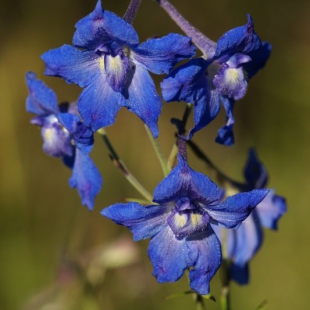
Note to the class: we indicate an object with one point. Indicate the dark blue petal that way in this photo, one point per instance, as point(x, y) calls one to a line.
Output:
point(225, 134)
point(254, 171)
point(235, 209)
point(205, 111)
point(103, 27)
point(98, 104)
point(85, 178)
point(187, 82)
point(161, 54)
point(74, 65)
point(116, 68)
point(82, 135)
point(204, 250)
point(142, 98)
point(41, 100)
point(242, 39)
point(240, 274)
point(143, 221)
point(271, 209)
point(244, 242)
point(168, 256)
point(185, 182)
point(259, 58)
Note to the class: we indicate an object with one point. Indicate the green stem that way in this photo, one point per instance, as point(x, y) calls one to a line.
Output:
point(159, 153)
point(121, 166)
point(225, 279)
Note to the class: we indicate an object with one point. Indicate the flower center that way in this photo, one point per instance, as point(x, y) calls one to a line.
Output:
point(187, 218)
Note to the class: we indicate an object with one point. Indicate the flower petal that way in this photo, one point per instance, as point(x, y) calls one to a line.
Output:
point(101, 27)
point(98, 104)
point(235, 209)
point(82, 135)
point(244, 242)
point(255, 172)
point(85, 178)
point(271, 209)
point(161, 54)
point(142, 98)
point(240, 274)
point(187, 82)
point(41, 100)
point(116, 68)
point(168, 256)
point(72, 64)
point(205, 253)
point(143, 221)
point(185, 182)
point(225, 134)
point(238, 40)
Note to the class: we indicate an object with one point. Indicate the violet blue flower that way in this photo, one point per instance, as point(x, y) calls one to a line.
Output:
point(64, 136)
point(232, 61)
point(112, 66)
point(243, 243)
point(179, 224)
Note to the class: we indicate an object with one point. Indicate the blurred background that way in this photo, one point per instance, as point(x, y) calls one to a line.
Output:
point(48, 239)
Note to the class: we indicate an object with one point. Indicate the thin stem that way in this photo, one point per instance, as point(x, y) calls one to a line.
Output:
point(206, 45)
point(225, 278)
point(132, 11)
point(159, 153)
point(122, 167)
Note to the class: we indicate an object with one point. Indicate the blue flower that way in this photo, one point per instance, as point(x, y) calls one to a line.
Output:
point(243, 243)
point(236, 57)
point(113, 67)
point(179, 226)
point(65, 136)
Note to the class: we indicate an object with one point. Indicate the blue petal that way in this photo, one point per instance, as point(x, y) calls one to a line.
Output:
point(161, 54)
point(85, 178)
point(41, 100)
point(254, 171)
point(225, 134)
point(143, 221)
point(72, 64)
point(102, 27)
point(142, 98)
point(205, 253)
point(271, 209)
point(185, 182)
point(98, 104)
point(205, 111)
point(82, 135)
point(187, 82)
point(168, 256)
point(240, 274)
point(116, 68)
point(244, 242)
point(259, 58)
point(235, 209)
point(238, 40)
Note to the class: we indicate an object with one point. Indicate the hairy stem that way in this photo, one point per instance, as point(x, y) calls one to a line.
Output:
point(132, 11)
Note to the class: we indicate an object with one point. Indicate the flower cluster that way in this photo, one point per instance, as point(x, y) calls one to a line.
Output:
point(188, 209)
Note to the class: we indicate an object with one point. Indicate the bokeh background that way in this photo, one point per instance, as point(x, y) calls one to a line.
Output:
point(44, 229)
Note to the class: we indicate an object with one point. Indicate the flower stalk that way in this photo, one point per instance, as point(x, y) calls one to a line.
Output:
point(132, 11)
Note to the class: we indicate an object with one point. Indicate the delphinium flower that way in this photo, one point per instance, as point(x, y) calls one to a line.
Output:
point(185, 204)
point(108, 61)
point(221, 75)
point(65, 136)
point(243, 243)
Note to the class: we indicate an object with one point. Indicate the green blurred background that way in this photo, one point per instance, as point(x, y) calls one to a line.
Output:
point(42, 220)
